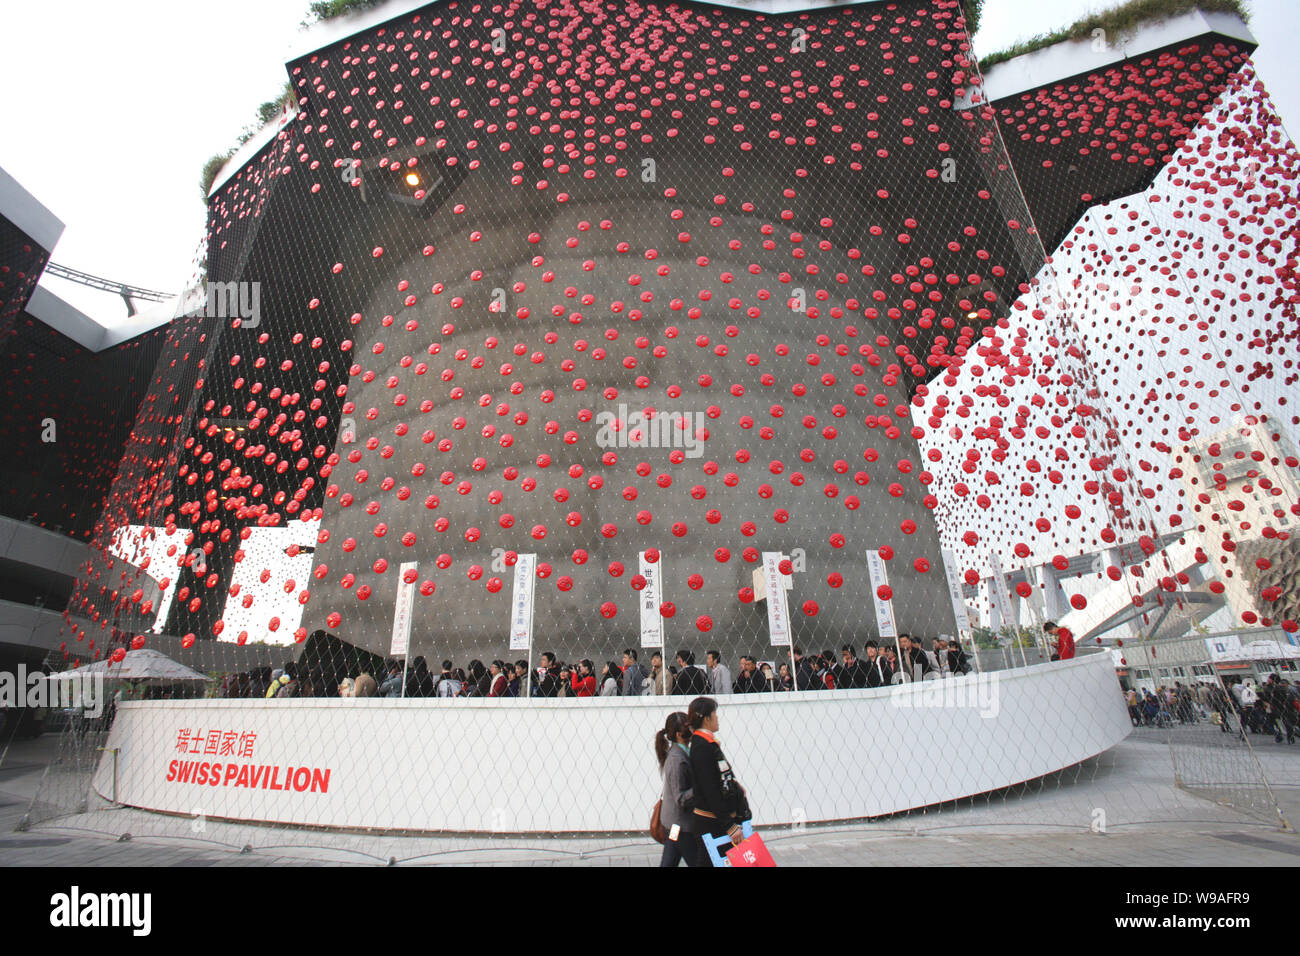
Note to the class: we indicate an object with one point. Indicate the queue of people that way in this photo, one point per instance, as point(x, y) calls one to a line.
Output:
point(626, 677)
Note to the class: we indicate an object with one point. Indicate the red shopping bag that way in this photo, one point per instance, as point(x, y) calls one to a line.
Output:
point(750, 852)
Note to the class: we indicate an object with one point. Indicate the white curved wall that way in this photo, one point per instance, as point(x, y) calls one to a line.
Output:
point(587, 765)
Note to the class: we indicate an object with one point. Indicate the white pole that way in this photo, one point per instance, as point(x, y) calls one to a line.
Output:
point(404, 661)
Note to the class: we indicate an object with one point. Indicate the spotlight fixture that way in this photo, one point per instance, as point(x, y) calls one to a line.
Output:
point(422, 179)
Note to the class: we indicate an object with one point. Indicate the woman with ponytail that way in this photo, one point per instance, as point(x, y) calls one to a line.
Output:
point(720, 802)
point(672, 748)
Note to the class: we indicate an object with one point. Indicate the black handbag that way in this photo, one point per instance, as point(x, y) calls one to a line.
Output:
point(733, 794)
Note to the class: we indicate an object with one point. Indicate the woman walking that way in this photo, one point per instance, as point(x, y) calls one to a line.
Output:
point(720, 802)
point(672, 747)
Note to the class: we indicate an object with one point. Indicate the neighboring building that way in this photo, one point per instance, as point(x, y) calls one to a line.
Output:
point(1241, 486)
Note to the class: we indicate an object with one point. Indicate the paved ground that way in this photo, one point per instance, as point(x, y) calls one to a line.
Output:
point(1148, 822)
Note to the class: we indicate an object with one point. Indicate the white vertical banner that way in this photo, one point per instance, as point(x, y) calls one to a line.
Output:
point(1037, 603)
point(521, 603)
point(652, 622)
point(884, 608)
point(1001, 596)
point(404, 607)
point(954, 590)
point(778, 608)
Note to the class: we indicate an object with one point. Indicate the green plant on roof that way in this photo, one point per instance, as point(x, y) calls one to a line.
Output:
point(329, 9)
point(1116, 22)
point(210, 170)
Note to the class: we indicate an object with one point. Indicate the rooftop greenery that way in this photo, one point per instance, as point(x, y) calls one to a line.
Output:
point(329, 9)
point(1116, 22)
point(319, 11)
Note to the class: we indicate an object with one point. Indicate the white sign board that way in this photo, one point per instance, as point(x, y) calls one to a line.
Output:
point(1001, 596)
point(404, 608)
point(652, 622)
point(1223, 648)
point(954, 590)
point(778, 609)
point(521, 603)
point(884, 609)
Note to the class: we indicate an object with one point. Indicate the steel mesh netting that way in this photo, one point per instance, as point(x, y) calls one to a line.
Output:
point(501, 245)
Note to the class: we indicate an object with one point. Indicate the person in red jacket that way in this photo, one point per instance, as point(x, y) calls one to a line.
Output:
point(1062, 641)
point(584, 681)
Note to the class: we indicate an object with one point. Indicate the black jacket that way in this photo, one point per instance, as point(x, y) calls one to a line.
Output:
point(958, 662)
point(878, 672)
point(419, 684)
point(919, 659)
point(806, 676)
point(706, 775)
point(692, 680)
point(549, 685)
point(851, 676)
point(755, 683)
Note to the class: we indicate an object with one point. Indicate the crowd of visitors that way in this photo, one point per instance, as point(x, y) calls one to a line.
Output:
point(1272, 709)
point(878, 667)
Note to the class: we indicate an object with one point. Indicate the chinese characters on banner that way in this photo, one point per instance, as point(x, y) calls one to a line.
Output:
point(1001, 596)
point(778, 609)
point(220, 743)
point(954, 590)
point(405, 605)
point(884, 606)
point(521, 603)
point(652, 622)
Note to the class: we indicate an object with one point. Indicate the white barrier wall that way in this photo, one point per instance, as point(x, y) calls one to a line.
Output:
point(588, 765)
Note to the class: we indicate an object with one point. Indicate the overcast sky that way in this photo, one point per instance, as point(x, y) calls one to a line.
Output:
point(112, 109)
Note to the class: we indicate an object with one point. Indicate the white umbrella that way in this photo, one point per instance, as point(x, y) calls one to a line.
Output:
point(144, 664)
